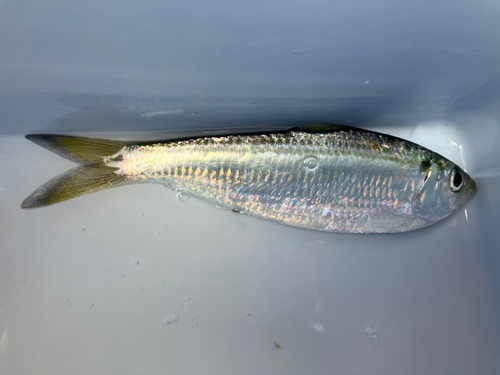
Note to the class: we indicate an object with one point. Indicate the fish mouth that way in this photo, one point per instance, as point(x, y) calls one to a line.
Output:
point(470, 185)
point(471, 188)
point(468, 190)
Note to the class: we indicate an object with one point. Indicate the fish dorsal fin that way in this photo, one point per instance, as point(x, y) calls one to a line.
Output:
point(325, 128)
point(333, 128)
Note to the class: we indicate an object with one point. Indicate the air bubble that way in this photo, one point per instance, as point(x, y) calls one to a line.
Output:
point(366, 82)
point(172, 320)
point(311, 162)
point(183, 196)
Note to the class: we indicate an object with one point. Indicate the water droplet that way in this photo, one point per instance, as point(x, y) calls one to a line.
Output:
point(169, 321)
point(373, 339)
point(136, 263)
point(280, 301)
point(194, 325)
point(311, 162)
point(83, 229)
point(248, 314)
point(299, 51)
point(183, 196)
point(366, 82)
point(168, 187)
point(187, 299)
point(318, 327)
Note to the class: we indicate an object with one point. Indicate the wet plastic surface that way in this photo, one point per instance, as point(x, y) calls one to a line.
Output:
point(135, 280)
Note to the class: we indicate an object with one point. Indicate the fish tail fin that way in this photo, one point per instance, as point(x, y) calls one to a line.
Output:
point(81, 150)
point(93, 175)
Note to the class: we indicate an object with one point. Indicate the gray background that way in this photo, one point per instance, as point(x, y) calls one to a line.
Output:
point(92, 285)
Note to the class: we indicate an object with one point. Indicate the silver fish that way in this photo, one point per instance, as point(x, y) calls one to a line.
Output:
point(322, 177)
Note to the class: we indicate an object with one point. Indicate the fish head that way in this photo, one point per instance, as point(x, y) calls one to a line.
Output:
point(444, 188)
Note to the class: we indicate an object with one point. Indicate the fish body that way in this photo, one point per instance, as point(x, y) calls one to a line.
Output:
point(323, 177)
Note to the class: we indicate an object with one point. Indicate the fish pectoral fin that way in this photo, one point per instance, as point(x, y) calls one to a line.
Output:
point(73, 183)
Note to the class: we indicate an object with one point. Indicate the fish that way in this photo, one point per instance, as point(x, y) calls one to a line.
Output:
point(323, 177)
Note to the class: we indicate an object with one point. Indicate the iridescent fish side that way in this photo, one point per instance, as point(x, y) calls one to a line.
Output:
point(323, 177)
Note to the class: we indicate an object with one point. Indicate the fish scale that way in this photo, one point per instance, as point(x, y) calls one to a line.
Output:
point(284, 155)
point(323, 177)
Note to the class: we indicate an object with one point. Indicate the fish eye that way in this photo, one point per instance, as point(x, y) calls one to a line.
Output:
point(456, 180)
